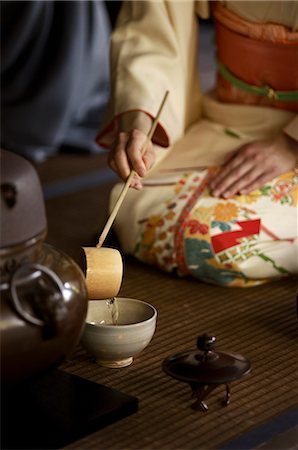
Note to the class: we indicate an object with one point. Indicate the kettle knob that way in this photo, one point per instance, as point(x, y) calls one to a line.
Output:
point(206, 342)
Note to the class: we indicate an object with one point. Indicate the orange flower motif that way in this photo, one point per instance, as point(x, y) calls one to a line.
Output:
point(294, 195)
point(149, 236)
point(170, 215)
point(286, 186)
point(283, 186)
point(253, 197)
point(277, 197)
point(178, 187)
point(153, 221)
point(225, 211)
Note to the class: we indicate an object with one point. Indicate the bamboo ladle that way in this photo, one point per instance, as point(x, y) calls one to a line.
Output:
point(104, 267)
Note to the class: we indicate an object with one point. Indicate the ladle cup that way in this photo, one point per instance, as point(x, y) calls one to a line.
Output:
point(104, 271)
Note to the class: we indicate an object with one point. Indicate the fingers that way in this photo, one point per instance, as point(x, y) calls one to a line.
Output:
point(117, 158)
point(226, 177)
point(231, 173)
point(149, 157)
point(244, 183)
point(134, 148)
point(129, 154)
point(136, 183)
point(256, 183)
point(242, 173)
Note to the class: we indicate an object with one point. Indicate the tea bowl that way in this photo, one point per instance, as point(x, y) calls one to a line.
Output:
point(115, 344)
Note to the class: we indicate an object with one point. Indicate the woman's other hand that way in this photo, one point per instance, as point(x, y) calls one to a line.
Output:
point(252, 165)
point(128, 152)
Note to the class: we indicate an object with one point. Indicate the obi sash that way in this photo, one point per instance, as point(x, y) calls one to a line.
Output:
point(255, 70)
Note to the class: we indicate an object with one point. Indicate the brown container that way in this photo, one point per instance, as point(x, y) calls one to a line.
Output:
point(43, 291)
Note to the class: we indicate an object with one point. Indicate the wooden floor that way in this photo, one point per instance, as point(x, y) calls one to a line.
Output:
point(259, 323)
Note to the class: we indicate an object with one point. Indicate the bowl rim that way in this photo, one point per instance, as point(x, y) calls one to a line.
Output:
point(119, 327)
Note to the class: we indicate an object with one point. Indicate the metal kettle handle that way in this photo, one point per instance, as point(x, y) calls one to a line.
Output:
point(34, 271)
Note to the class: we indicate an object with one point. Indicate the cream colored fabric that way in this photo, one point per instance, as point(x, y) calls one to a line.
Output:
point(154, 49)
point(292, 128)
point(206, 143)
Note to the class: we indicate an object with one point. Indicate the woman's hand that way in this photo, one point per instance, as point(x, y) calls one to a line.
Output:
point(253, 164)
point(126, 153)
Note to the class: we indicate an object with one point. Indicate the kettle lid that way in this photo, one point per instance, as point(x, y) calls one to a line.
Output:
point(22, 205)
point(206, 365)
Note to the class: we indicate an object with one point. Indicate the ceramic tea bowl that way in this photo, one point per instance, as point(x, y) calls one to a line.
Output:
point(115, 333)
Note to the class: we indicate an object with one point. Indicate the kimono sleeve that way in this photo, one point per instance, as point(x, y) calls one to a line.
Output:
point(154, 49)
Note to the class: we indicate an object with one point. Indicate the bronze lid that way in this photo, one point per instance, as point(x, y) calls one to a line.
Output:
point(22, 206)
point(206, 365)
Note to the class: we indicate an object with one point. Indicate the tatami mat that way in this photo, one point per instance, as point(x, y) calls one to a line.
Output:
point(260, 323)
point(256, 323)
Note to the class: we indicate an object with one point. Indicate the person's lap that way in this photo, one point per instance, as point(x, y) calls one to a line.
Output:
point(243, 241)
point(176, 224)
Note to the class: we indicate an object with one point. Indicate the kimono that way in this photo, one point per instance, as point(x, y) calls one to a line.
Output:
point(175, 222)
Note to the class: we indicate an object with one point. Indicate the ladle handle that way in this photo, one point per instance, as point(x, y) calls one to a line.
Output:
point(128, 181)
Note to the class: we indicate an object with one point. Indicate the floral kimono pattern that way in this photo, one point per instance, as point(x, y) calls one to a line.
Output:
point(236, 242)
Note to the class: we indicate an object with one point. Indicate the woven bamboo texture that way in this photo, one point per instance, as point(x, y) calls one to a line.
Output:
point(259, 323)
